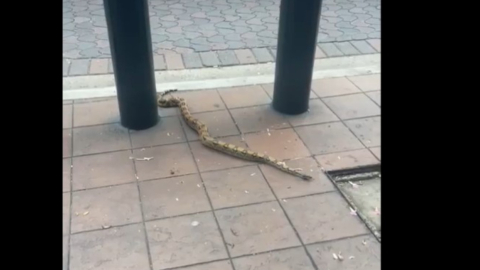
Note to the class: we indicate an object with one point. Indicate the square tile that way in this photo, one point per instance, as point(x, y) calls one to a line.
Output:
point(172, 197)
point(367, 82)
point(220, 265)
point(176, 242)
point(108, 206)
point(167, 131)
point(367, 130)
point(323, 217)
point(66, 174)
point(219, 124)
point(243, 96)
point(96, 113)
point(102, 170)
point(166, 112)
point(98, 139)
point(258, 118)
point(235, 187)
point(67, 143)
point(66, 213)
point(333, 87)
point(118, 248)
point(288, 259)
point(318, 113)
point(285, 185)
point(327, 138)
point(375, 96)
point(65, 252)
point(269, 90)
point(352, 106)
point(202, 100)
point(168, 160)
point(364, 251)
point(376, 151)
point(210, 159)
point(67, 116)
point(345, 160)
point(256, 228)
point(280, 144)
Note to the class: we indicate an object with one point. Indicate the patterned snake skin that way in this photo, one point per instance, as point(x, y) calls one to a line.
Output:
point(226, 148)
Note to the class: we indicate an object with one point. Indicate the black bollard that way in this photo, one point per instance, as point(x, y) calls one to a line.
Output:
point(131, 48)
point(297, 40)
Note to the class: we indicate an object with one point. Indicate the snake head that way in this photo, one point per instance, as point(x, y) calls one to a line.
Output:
point(162, 102)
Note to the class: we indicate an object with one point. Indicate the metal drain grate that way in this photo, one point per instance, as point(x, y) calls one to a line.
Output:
point(361, 188)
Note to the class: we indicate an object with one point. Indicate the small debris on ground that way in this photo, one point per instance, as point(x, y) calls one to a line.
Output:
point(176, 199)
point(85, 213)
point(231, 245)
point(335, 257)
point(195, 223)
point(246, 191)
point(106, 226)
point(353, 184)
point(233, 232)
point(268, 131)
point(351, 257)
point(273, 209)
point(144, 159)
point(377, 211)
point(172, 172)
point(252, 174)
point(353, 212)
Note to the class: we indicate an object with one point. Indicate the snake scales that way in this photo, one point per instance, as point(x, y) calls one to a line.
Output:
point(226, 148)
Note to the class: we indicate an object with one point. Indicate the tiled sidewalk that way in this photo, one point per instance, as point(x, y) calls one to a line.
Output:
point(193, 208)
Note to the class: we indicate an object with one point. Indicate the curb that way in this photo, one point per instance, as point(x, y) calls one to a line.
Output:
point(94, 86)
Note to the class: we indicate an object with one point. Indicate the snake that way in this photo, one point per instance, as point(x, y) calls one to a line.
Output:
point(207, 140)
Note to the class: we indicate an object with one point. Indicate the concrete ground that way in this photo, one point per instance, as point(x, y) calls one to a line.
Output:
point(158, 199)
point(192, 34)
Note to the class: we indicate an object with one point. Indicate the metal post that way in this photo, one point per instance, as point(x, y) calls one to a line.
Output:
point(297, 40)
point(131, 48)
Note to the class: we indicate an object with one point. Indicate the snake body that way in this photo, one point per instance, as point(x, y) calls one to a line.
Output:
point(218, 145)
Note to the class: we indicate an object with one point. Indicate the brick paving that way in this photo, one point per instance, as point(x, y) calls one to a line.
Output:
point(231, 32)
point(194, 208)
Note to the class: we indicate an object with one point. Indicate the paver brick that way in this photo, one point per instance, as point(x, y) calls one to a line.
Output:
point(159, 62)
point(210, 59)
point(175, 242)
point(192, 60)
point(98, 66)
point(346, 48)
point(245, 56)
point(375, 44)
point(262, 55)
point(66, 66)
point(330, 49)
point(79, 67)
point(174, 61)
point(362, 46)
point(227, 58)
point(323, 217)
